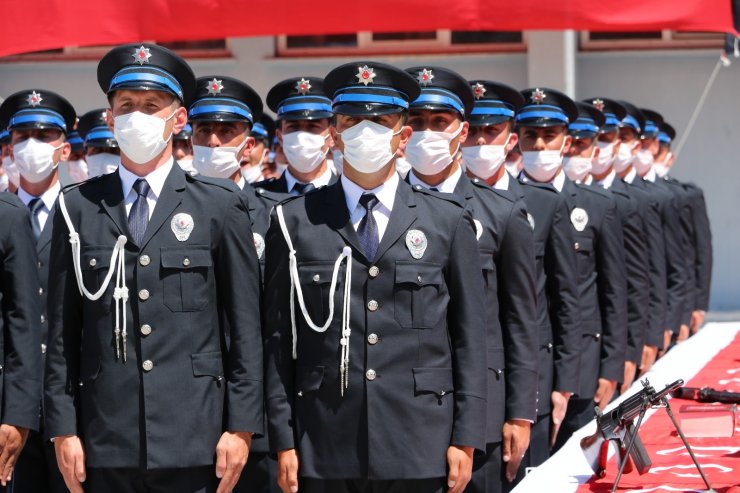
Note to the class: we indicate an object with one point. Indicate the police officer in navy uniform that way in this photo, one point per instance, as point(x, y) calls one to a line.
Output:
point(376, 371)
point(101, 149)
point(39, 121)
point(253, 163)
point(182, 148)
point(506, 246)
point(599, 246)
point(74, 168)
point(20, 338)
point(154, 366)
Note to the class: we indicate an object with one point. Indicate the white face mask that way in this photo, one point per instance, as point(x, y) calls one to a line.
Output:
point(304, 150)
point(77, 170)
point(141, 136)
point(217, 162)
point(543, 165)
point(605, 160)
point(643, 161)
point(102, 164)
point(402, 165)
point(661, 167)
point(338, 158)
point(367, 146)
point(11, 170)
point(428, 152)
point(484, 161)
point(252, 174)
point(35, 159)
point(4, 181)
point(187, 165)
point(513, 167)
point(577, 167)
point(624, 157)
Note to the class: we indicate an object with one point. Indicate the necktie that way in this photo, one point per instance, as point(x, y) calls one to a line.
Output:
point(35, 205)
point(368, 228)
point(303, 188)
point(434, 189)
point(138, 217)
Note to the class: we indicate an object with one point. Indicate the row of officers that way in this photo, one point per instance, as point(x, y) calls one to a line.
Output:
point(409, 316)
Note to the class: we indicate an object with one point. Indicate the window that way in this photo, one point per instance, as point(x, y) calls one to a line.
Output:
point(666, 39)
point(210, 48)
point(418, 42)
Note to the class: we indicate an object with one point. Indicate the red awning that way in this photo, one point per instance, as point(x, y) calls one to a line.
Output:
point(50, 24)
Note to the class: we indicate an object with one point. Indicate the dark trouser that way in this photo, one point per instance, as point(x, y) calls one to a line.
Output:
point(37, 470)
point(434, 485)
point(125, 480)
point(580, 412)
point(259, 475)
point(488, 471)
point(538, 451)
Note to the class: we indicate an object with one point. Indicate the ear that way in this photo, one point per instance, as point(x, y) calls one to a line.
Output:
point(335, 137)
point(464, 132)
point(597, 151)
point(66, 151)
point(405, 135)
point(247, 149)
point(180, 119)
point(513, 141)
point(566, 144)
point(109, 119)
point(279, 135)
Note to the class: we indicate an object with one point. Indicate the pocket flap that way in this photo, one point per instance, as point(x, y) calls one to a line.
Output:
point(495, 359)
point(317, 273)
point(208, 364)
point(186, 258)
point(420, 273)
point(435, 380)
point(309, 378)
point(486, 260)
point(539, 248)
point(95, 258)
point(583, 243)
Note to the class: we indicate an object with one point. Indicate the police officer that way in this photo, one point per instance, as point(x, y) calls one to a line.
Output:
point(506, 248)
point(20, 337)
point(253, 163)
point(599, 246)
point(303, 119)
point(154, 363)
point(594, 118)
point(385, 340)
point(101, 148)
point(182, 148)
point(39, 121)
point(74, 168)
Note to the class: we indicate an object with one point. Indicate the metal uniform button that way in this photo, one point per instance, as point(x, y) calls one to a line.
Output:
point(418, 278)
point(597, 336)
point(93, 262)
point(370, 374)
point(373, 271)
point(146, 329)
point(43, 319)
point(578, 246)
point(43, 349)
point(549, 345)
point(372, 305)
point(186, 261)
point(144, 260)
point(144, 294)
point(316, 278)
point(372, 339)
point(147, 365)
point(41, 291)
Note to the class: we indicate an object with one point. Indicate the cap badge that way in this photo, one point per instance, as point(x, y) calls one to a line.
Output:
point(303, 86)
point(479, 90)
point(141, 55)
point(416, 242)
point(215, 87)
point(598, 104)
point(34, 99)
point(365, 75)
point(538, 95)
point(425, 77)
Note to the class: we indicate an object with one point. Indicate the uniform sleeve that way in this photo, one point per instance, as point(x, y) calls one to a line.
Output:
point(517, 302)
point(675, 262)
point(65, 333)
point(562, 294)
point(638, 281)
point(703, 245)
point(467, 337)
point(278, 341)
point(612, 281)
point(689, 252)
point(238, 281)
point(21, 368)
point(656, 272)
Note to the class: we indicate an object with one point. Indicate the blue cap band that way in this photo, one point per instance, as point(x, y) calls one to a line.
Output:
point(542, 111)
point(650, 128)
point(440, 96)
point(99, 135)
point(130, 74)
point(583, 126)
point(74, 140)
point(260, 130)
point(611, 119)
point(38, 116)
point(4, 134)
point(631, 121)
point(370, 98)
point(492, 111)
point(220, 108)
point(288, 108)
point(664, 138)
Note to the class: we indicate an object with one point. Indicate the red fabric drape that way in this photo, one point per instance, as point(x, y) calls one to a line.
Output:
point(48, 24)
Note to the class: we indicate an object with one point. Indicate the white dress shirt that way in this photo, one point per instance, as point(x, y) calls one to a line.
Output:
point(650, 175)
point(608, 180)
point(447, 186)
point(48, 198)
point(630, 177)
point(386, 194)
point(320, 181)
point(503, 182)
point(155, 179)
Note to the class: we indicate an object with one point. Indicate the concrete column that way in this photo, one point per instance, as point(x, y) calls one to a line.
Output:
point(551, 60)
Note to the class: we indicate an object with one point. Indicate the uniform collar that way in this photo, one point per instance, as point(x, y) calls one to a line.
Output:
point(386, 193)
point(607, 181)
point(650, 175)
point(447, 186)
point(503, 183)
point(48, 197)
point(630, 177)
point(557, 182)
point(319, 182)
point(155, 179)
point(241, 182)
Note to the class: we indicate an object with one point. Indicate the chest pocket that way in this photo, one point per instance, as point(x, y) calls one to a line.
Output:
point(419, 294)
point(186, 273)
point(94, 263)
point(315, 279)
point(583, 245)
point(539, 249)
point(488, 266)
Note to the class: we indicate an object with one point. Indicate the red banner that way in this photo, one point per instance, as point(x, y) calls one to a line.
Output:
point(50, 24)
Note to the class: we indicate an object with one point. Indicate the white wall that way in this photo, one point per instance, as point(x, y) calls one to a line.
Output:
point(668, 81)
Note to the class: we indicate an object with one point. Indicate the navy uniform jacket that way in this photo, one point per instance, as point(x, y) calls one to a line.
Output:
point(20, 339)
point(280, 185)
point(556, 281)
point(43, 251)
point(636, 257)
point(689, 251)
point(417, 363)
point(602, 286)
point(182, 385)
point(259, 217)
point(702, 241)
point(649, 207)
point(506, 245)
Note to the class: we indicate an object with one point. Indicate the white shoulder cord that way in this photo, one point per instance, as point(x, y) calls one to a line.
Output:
point(117, 263)
point(295, 286)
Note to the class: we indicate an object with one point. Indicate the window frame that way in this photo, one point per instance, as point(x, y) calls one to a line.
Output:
point(669, 39)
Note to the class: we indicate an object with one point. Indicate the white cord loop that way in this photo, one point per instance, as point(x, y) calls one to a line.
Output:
point(295, 286)
point(117, 263)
